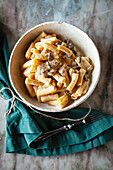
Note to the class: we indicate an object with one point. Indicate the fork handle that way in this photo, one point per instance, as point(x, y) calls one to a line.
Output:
point(48, 134)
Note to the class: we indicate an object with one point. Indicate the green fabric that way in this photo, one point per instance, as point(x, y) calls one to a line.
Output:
point(24, 125)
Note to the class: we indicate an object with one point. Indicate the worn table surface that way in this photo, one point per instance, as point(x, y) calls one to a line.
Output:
point(95, 17)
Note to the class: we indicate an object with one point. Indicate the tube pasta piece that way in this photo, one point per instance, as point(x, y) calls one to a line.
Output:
point(42, 35)
point(84, 63)
point(39, 44)
point(66, 83)
point(35, 51)
point(32, 62)
point(86, 86)
point(49, 40)
point(81, 75)
point(59, 84)
point(38, 55)
point(41, 57)
point(28, 53)
point(30, 89)
point(44, 51)
point(40, 48)
point(71, 71)
point(62, 101)
point(32, 56)
point(59, 78)
point(36, 62)
point(26, 72)
point(90, 68)
point(46, 90)
point(51, 47)
point(33, 82)
point(26, 64)
point(53, 83)
point(44, 55)
point(64, 73)
point(31, 75)
point(73, 81)
point(80, 90)
point(33, 69)
point(65, 50)
point(53, 103)
point(35, 89)
point(49, 98)
point(42, 79)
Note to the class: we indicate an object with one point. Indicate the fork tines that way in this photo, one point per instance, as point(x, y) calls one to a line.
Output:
point(96, 116)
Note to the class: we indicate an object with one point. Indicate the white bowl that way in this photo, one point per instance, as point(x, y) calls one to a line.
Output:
point(66, 31)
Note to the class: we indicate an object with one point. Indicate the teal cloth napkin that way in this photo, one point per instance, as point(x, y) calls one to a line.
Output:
point(23, 125)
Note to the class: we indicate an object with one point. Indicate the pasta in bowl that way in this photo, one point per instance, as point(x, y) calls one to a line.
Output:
point(55, 70)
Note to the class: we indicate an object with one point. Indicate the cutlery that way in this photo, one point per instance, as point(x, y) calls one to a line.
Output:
point(88, 120)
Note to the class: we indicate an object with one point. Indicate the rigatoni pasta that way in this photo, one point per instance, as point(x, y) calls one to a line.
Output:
point(55, 71)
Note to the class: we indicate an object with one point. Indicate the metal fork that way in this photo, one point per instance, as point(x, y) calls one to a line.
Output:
point(88, 120)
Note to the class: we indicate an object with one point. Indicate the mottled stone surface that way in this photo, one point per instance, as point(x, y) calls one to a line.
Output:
point(95, 17)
